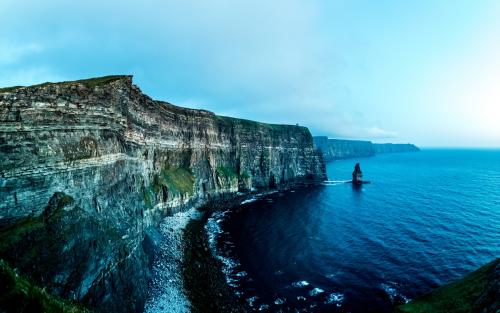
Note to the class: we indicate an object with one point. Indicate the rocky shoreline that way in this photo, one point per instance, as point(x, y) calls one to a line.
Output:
point(204, 280)
point(205, 283)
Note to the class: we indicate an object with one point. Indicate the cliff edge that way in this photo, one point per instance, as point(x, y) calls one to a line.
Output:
point(89, 168)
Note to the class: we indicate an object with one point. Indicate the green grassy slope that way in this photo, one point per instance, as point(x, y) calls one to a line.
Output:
point(459, 296)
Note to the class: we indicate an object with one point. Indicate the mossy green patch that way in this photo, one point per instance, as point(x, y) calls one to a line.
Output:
point(227, 176)
point(18, 294)
point(226, 172)
point(457, 297)
point(17, 231)
point(178, 179)
point(91, 82)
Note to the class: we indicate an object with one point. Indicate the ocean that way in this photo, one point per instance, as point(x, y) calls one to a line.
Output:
point(426, 218)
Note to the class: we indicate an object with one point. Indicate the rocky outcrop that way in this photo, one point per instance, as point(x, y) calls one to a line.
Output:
point(335, 149)
point(89, 168)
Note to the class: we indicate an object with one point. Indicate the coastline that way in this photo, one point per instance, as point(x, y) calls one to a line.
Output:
point(204, 282)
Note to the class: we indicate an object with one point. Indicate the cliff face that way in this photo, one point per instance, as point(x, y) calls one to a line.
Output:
point(334, 149)
point(394, 147)
point(88, 169)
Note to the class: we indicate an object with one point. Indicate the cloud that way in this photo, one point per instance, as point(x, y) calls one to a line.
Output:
point(351, 69)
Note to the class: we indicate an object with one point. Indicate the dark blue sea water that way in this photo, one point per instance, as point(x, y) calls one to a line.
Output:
point(427, 218)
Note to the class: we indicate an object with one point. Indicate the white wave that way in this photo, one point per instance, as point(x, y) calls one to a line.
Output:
point(263, 307)
point(279, 301)
point(335, 298)
point(337, 181)
point(301, 298)
point(391, 290)
point(251, 300)
point(214, 230)
point(248, 201)
point(301, 284)
point(316, 291)
point(331, 275)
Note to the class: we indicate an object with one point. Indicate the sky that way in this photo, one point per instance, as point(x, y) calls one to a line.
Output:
point(419, 71)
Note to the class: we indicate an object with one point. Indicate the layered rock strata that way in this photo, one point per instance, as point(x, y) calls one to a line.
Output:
point(89, 168)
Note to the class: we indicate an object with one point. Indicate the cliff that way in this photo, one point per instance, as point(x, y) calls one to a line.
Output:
point(334, 149)
point(89, 168)
point(394, 147)
point(477, 292)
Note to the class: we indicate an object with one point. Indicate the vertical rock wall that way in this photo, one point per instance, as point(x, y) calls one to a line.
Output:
point(88, 168)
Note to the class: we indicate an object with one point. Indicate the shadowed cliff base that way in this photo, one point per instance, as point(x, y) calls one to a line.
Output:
point(477, 292)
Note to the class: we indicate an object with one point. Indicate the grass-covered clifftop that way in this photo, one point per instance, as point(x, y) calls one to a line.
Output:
point(478, 291)
point(90, 82)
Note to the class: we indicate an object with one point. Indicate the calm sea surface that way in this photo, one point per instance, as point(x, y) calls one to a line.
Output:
point(426, 218)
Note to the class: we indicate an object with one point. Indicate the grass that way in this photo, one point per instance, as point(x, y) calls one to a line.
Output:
point(226, 172)
point(90, 82)
point(177, 180)
point(457, 297)
point(18, 294)
point(16, 232)
point(249, 124)
point(228, 176)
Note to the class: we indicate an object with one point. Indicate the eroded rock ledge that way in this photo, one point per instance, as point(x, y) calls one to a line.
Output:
point(89, 168)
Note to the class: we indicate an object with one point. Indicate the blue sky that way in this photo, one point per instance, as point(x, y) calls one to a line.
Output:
point(420, 71)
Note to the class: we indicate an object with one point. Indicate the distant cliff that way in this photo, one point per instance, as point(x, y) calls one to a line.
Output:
point(342, 149)
point(89, 168)
point(334, 149)
point(394, 147)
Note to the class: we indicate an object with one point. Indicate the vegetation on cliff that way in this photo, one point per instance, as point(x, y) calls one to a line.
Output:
point(18, 294)
point(461, 296)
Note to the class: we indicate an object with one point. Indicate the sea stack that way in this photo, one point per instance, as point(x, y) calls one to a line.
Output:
point(357, 175)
